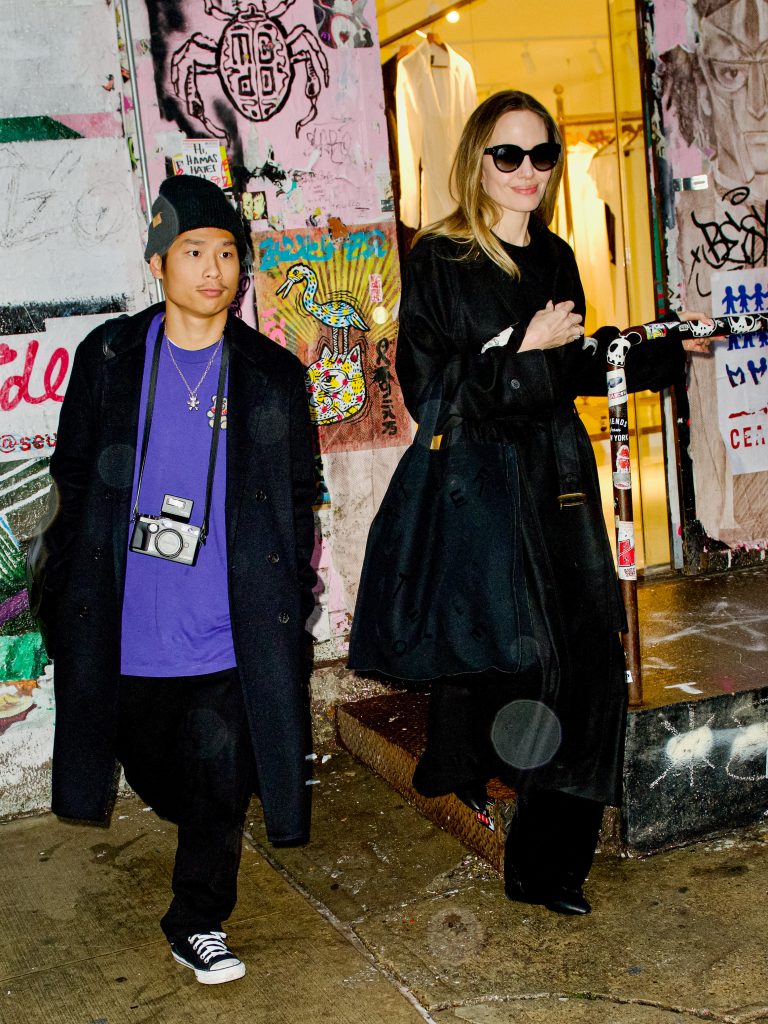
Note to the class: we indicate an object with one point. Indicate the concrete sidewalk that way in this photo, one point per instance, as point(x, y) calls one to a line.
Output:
point(380, 908)
point(80, 942)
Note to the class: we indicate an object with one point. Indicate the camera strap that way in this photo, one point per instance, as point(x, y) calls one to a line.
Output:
point(216, 425)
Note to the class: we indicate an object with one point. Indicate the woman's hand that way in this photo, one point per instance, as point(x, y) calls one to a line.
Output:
point(699, 344)
point(552, 327)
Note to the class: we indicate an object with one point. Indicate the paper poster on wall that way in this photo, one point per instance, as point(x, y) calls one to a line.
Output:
point(284, 101)
point(58, 58)
point(332, 301)
point(34, 371)
point(742, 371)
point(69, 230)
point(204, 158)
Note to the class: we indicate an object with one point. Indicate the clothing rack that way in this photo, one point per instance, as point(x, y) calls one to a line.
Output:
point(588, 119)
point(597, 134)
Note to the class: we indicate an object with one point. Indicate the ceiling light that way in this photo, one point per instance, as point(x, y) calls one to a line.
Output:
point(452, 16)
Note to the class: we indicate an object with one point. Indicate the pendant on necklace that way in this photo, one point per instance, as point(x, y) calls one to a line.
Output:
point(193, 403)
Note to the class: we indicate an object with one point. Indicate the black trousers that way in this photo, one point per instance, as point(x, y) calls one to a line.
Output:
point(554, 833)
point(461, 713)
point(186, 749)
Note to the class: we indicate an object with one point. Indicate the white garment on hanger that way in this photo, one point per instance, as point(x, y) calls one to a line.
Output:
point(637, 253)
point(433, 104)
point(590, 237)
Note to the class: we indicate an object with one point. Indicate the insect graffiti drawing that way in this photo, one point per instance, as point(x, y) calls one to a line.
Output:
point(335, 381)
point(255, 59)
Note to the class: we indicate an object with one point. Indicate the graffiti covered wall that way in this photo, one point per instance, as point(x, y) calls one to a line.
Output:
point(711, 122)
point(292, 91)
point(69, 238)
point(283, 103)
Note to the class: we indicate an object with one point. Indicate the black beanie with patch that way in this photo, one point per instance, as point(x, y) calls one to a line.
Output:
point(186, 202)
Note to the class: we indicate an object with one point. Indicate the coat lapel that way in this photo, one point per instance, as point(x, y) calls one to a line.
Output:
point(245, 398)
point(123, 372)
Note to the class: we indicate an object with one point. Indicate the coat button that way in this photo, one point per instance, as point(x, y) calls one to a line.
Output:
point(514, 384)
point(273, 557)
point(260, 496)
point(84, 611)
point(97, 553)
point(283, 617)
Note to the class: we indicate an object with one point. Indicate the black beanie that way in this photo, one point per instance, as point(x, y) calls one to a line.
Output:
point(186, 202)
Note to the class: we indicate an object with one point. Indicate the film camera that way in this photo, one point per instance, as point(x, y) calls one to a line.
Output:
point(169, 535)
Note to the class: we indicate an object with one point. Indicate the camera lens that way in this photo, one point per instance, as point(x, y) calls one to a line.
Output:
point(169, 543)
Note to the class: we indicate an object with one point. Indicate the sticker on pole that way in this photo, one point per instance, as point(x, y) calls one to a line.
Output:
point(622, 473)
point(617, 388)
point(625, 539)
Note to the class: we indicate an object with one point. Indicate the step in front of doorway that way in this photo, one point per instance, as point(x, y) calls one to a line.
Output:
point(387, 733)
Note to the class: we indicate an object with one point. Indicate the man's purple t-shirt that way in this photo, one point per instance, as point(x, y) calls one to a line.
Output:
point(176, 619)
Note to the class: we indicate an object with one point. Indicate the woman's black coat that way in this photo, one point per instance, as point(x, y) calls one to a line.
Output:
point(269, 494)
point(452, 306)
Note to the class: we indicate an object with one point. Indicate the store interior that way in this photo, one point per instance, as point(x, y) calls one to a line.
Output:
point(581, 61)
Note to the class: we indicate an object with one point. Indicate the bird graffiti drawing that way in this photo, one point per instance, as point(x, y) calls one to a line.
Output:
point(338, 314)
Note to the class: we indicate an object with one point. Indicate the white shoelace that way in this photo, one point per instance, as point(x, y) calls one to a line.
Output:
point(209, 945)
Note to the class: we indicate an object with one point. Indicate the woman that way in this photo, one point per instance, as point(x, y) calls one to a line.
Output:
point(492, 309)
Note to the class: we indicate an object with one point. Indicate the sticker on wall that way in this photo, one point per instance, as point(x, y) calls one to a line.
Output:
point(340, 23)
point(254, 205)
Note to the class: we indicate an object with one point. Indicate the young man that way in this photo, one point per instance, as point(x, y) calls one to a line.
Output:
point(178, 579)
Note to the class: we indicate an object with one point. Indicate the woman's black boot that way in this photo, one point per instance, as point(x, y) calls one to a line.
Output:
point(549, 851)
point(473, 794)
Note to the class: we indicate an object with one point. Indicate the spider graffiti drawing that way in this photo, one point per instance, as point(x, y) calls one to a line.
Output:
point(255, 59)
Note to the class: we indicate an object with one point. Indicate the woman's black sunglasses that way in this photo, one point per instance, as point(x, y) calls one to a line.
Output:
point(508, 158)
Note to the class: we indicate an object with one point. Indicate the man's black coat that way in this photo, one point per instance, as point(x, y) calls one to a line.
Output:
point(270, 539)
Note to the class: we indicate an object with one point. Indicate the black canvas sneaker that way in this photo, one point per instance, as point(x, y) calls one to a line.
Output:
point(209, 957)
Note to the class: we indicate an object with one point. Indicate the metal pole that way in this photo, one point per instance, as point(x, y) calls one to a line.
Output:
point(140, 148)
point(618, 418)
point(747, 323)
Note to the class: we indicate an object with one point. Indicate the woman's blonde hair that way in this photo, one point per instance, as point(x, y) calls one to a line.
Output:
point(477, 214)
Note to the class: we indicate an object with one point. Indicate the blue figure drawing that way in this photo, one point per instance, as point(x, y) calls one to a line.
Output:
point(758, 297)
point(743, 299)
point(729, 301)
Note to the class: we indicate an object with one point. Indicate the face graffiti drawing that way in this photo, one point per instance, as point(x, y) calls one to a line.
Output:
point(336, 386)
point(733, 55)
point(255, 59)
point(720, 90)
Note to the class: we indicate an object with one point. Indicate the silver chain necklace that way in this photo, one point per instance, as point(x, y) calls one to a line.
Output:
point(194, 402)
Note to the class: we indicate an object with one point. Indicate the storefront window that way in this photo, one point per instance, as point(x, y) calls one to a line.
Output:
point(581, 61)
